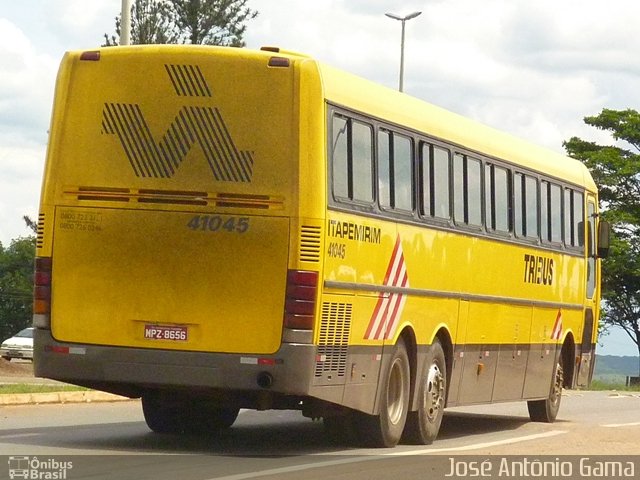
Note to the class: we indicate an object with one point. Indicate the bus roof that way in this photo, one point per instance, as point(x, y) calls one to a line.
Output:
point(367, 97)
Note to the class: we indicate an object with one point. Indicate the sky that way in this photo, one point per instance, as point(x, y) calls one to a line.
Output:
point(533, 69)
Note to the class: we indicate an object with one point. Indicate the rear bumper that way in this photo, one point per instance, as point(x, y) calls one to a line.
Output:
point(131, 371)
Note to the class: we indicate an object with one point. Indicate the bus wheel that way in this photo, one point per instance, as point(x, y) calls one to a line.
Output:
point(547, 410)
point(203, 419)
point(385, 429)
point(162, 416)
point(423, 425)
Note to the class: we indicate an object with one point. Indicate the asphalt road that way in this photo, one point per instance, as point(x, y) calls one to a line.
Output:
point(114, 442)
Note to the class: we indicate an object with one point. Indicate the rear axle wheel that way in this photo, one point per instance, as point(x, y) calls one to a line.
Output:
point(385, 429)
point(423, 425)
point(547, 410)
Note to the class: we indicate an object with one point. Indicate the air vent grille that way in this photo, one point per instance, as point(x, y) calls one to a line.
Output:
point(310, 243)
point(40, 231)
point(334, 338)
point(176, 197)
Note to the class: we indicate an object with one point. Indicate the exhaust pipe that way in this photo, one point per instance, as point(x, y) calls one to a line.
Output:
point(264, 380)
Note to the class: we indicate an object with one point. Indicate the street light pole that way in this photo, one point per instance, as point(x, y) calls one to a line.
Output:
point(403, 20)
point(125, 23)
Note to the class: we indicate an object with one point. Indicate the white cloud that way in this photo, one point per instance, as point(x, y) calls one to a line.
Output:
point(25, 105)
point(81, 23)
point(19, 186)
point(26, 85)
point(534, 69)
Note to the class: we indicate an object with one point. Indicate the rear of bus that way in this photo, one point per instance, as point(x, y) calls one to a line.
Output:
point(172, 225)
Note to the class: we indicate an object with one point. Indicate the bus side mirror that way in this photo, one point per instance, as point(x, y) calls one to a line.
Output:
point(604, 238)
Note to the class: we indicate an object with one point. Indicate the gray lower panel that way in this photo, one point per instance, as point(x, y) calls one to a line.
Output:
point(510, 372)
point(480, 374)
point(540, 369)
point(498, 373)
point(118, 369)
point(357, 387)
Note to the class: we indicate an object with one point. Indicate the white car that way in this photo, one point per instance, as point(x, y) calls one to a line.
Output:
point(18, 346)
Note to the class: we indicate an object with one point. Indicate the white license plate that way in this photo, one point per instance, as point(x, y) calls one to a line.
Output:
point(165, 332)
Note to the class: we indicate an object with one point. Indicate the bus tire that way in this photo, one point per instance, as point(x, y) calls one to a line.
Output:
point(385, 429)
point(423, 425)
point(546, 410)
point(161, 416)
point(183, 415)
point(203, 419)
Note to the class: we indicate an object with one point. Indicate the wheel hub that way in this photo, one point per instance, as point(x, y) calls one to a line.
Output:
point(434, 392)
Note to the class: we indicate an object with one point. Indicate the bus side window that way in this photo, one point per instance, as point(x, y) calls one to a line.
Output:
point(426, 176)
point(352, 160)
point(434, 162)
point(459, 188)
point(550, 212)
point(573, 207)
point(531, 202)
point(467, 190)
point(362, 161)
point(441, 183)
point(545, 217)
point(403, 173)
point(567, 224)
point(555, 212)
point(340, 159)
point(591, 253)
point(474, 192)
point(497, 198)
point(578, 219)
point(395, 171)
point(526, 199)
point(518, 205)
point(384, 168)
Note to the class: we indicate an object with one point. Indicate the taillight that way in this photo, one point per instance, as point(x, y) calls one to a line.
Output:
point(91, 56)
point(300, 302)
point(42, 291)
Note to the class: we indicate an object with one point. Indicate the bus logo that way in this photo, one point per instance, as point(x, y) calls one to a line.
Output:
point(32, 467)
point(192, 125)
point(386, 315)
point(18, 467)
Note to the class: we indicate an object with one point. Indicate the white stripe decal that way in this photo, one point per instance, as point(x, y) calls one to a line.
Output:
point(387, 312)
point(557, 327)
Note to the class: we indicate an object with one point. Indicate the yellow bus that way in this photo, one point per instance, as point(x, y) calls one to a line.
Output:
point(223, 228)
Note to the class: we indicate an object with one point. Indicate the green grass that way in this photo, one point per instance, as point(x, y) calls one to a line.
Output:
point(33, 388)
point(621, 387)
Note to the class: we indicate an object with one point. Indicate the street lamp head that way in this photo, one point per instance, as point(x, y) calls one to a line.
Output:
point(402, 19)
point(394, 16)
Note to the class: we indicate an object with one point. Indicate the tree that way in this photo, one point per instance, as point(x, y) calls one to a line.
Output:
point(616, 171)
point(16, 285)
point(31, 224)
point(150, 24)
point(210, 22)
